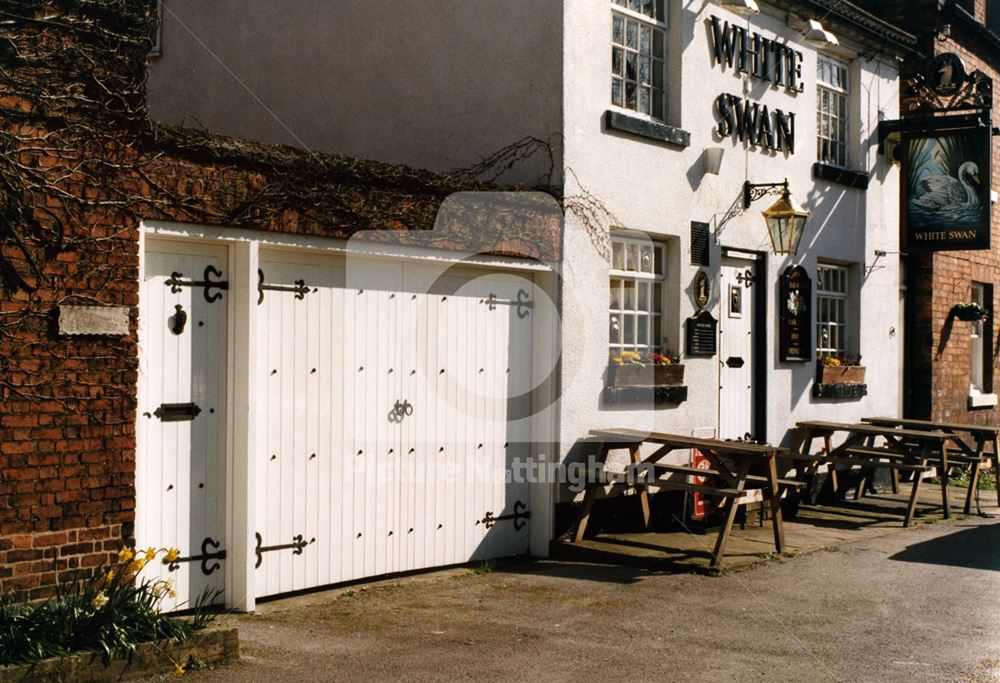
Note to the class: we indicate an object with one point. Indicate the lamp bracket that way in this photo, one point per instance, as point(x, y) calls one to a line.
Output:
point(754, 191)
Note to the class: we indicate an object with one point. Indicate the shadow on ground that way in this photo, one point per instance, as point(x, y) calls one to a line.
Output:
point(980, 549)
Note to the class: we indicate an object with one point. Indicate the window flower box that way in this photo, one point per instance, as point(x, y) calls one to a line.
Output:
point(636, 375)
point(835, 371)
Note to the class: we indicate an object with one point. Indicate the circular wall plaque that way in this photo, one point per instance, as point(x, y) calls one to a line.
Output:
point(702, 289)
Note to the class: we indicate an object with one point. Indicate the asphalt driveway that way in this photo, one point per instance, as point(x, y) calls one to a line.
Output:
point(922, 604)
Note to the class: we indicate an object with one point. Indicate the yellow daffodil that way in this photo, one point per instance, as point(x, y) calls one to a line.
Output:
point(137, 565)
point(179, 669)
point(125, 554)
point(150, 553)
point(172, 554)
point(100, 600)
point(109, 576)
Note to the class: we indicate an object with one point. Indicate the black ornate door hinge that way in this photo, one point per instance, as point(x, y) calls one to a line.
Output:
point(175, 283)
point(300, 288)
point(522, 303)
point(177, 412)
point(520, 514)
point(205, 557)
point(746, 278)
point(297, 545)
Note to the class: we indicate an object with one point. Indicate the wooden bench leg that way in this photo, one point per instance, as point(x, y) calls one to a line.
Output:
point(917, 478)
point(973, 485)
point(633, 453)
point(945, 503)
point(831, 469)
point(996, 467)
point(728, 515)
point(774, 493)
point(894, 478)
point(859, 491)
point(589, 497)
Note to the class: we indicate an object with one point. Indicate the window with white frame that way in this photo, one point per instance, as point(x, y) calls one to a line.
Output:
point(832, 290)
point(638, 51)
point(976, 376)
point(832, 93)
point(636, 307)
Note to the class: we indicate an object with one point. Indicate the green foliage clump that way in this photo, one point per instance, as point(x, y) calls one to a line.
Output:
point(110, 614)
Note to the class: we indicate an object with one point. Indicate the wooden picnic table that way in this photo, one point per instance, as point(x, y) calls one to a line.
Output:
point(976, 452)
point(736, 466)
point(903, 450)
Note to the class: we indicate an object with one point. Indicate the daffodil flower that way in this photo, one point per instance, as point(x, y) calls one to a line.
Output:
point(125, 554)
point(150, 553)
point(172, 554)
point(100, 600)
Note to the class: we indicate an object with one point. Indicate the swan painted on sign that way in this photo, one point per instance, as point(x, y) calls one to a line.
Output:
point(942, 199)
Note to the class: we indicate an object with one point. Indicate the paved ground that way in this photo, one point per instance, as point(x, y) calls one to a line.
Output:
point(913, 605)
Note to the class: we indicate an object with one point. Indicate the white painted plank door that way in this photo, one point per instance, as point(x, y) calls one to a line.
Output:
point(468, 366)
point(736, 362)
point(301, 364)
point(372, 351)
point(180, 464)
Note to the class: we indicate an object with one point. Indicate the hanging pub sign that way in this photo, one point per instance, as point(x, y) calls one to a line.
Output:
point(795, 333)
point(946, 189)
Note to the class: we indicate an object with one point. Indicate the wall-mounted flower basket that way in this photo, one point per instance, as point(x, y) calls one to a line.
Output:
point(840, 374)
point(634, 375)
point(970, 312)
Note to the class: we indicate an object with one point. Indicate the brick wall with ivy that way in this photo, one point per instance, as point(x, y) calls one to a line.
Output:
point(80, 166)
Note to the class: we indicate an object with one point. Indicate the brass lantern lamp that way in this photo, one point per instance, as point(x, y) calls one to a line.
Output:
point(785, 223)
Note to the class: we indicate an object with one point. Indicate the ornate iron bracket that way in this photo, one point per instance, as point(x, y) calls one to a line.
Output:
point(920, 94)
point(754, 191)
point(205, 557)
point(751, 193)
point(520, 514)
point(298, 544)
point(299, 288)
point(175, 283)
point(522, 302)
point(745, 278)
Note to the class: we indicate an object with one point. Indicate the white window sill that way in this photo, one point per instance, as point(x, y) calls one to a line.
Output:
point(978, 400)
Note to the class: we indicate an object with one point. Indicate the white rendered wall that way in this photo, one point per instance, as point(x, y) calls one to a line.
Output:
point(439, 84)
point(659, 189)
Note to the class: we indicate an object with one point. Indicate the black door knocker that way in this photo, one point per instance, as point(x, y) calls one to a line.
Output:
point(177, 321)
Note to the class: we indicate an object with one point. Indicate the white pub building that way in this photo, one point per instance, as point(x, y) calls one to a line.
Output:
point(673, 127)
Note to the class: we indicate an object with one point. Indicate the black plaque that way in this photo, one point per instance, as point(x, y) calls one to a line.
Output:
point(795, 334)
point(701, 334)
point(699, 243)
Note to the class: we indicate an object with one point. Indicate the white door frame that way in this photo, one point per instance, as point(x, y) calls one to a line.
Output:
point(241, 449)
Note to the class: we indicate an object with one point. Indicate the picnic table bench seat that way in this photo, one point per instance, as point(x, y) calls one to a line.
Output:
point(728, 477)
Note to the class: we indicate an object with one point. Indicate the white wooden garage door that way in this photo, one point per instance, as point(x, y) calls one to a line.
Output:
point(389, 418)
